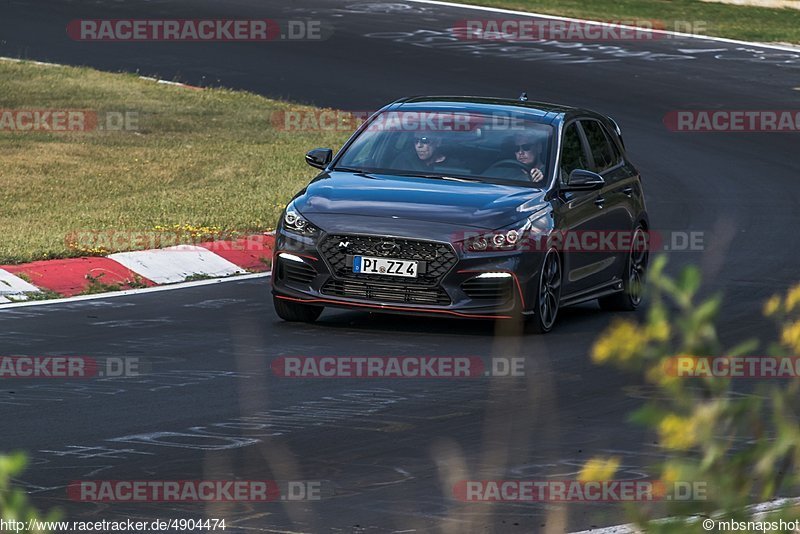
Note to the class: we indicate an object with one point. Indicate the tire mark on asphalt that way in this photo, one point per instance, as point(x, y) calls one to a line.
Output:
point(234, 433)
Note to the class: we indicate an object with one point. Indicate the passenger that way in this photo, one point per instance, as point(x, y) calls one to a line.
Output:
point(427, 155)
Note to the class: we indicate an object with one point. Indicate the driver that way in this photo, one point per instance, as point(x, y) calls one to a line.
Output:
point(526, 150)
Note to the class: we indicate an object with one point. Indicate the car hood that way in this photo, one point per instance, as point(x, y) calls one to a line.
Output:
point(477, 205)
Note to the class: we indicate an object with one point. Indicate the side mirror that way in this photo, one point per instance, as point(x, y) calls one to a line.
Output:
point(319, 157)
point(583, 180)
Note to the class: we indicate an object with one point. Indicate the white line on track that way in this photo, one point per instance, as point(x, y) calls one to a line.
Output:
point(182, 285)
point(42, 63)
point(787, 48)
point(45, 64)
point(758, 512)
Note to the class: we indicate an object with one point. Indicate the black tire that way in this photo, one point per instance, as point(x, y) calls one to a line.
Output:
point(296, 312)
point(548, 294)
point(633, 278)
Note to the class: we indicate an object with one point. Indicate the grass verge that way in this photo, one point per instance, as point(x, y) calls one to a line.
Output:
point(208, 159)
point(747, 23)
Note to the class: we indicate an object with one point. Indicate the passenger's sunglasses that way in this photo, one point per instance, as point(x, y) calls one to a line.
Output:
point(527, 147)
point(422, 140)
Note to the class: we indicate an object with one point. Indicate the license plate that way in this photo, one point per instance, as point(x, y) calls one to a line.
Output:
point(386, 266)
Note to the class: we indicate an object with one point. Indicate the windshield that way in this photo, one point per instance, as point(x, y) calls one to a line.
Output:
point(447, 144)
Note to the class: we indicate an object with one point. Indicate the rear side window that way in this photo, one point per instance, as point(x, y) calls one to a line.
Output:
point(572, 156)
point(604, 152)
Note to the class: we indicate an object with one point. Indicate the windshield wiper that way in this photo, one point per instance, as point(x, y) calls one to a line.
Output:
point(449, 178)
point(404, 173)
point(457, 179)
point(438, 177)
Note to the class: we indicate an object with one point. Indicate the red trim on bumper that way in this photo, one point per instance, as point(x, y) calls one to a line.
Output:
point(397, 308)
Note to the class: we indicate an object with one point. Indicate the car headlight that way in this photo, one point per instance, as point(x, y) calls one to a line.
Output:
point(499, 240)
point(294, 222)
point(508, 238)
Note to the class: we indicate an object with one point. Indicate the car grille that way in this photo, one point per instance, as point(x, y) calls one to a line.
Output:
point(488, 288)
point(382, 292)
point(293, 271)
point(439, 258)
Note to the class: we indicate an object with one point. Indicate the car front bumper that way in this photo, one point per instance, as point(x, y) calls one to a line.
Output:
point(453, 282)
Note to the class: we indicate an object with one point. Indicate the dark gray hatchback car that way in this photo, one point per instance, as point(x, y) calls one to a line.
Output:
point(466, 207)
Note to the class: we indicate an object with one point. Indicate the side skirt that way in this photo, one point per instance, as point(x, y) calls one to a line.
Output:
point(602, 290)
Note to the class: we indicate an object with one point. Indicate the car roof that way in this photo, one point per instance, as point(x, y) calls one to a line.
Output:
point(543, 110)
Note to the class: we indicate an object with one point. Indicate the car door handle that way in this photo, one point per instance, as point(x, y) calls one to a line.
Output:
point(628, 191)
point(599, 201)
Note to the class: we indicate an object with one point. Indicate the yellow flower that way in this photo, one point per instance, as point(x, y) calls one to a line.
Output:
point(623, 341)
point(772, 305)
point(663, 372)
point(670, 474)
point(658, 331)
point(676, 432)
point(793, 298)
point(791, 336)
point(599, 469)
point(681, 433)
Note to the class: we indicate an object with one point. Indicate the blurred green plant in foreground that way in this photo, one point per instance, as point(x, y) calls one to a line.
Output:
point(14, 505)
point(742, 445)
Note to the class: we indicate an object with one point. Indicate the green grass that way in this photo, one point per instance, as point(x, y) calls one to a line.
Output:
point(43, 294)
point(208, 158)
point(722, 20)
point(211, 158)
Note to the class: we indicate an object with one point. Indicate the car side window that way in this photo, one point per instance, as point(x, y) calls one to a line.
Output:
point(603, 152)
point(572, 156)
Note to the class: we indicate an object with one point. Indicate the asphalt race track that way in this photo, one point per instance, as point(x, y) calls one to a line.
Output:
point(392, 449)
